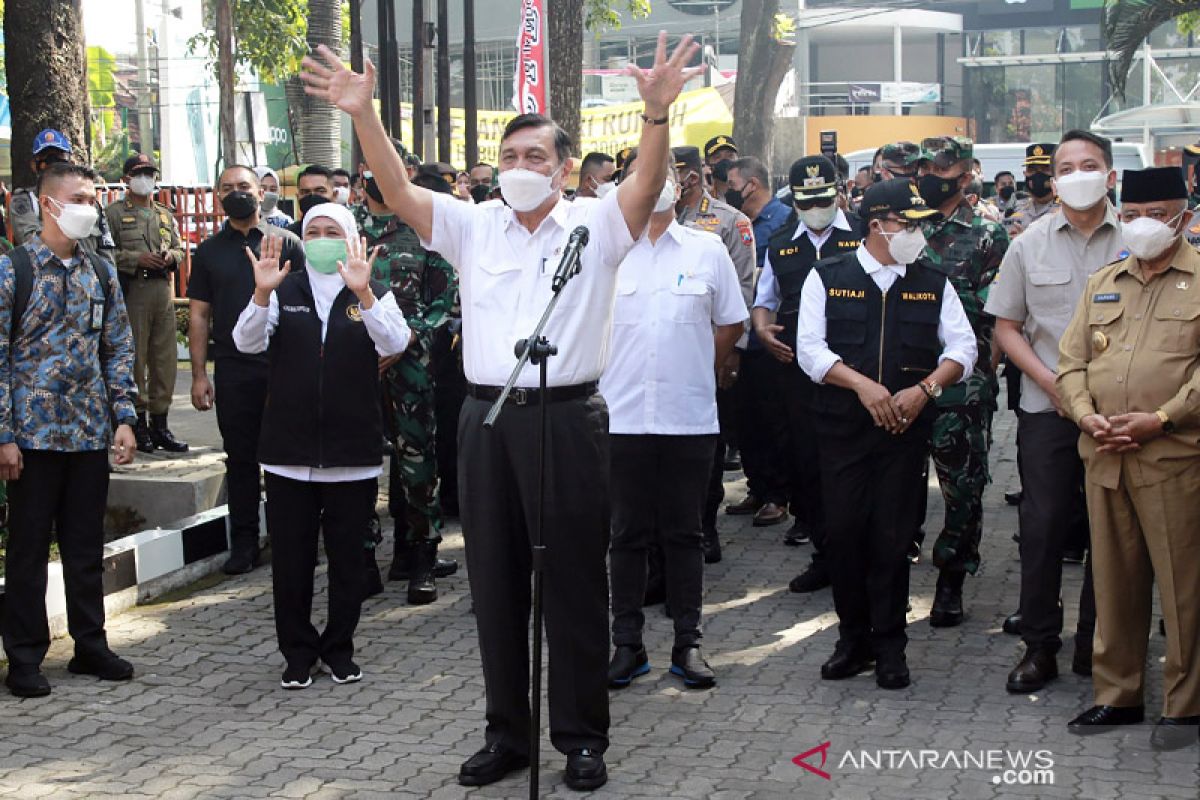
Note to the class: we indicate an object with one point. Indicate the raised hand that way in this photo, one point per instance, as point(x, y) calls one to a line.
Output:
point(267, 272)
point(356, 272)
point(662, 83)
point(333, 82)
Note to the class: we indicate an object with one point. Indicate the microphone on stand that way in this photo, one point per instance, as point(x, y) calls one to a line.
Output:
point(572, 253)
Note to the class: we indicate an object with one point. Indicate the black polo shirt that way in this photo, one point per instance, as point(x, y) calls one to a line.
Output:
point(223, 277)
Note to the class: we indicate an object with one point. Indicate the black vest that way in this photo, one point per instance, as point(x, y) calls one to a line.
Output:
point(322, 399)
point(792, 259)
point(891, 339)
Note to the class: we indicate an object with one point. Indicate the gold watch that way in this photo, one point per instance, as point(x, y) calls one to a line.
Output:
point(932, 388)
point(1167, 425)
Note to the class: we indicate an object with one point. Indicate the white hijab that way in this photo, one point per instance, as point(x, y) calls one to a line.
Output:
point(327, 287)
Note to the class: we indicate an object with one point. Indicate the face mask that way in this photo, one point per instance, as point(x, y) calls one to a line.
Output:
point(817, 218)
point(311, 201)
point(239, 205)
point(372, 188)
point(1082, 190)
point(876, 177)
point(269, 202)
point(605, 189)
point(341, 195)
point(1148, 238)
point(323, 255)
point(524, 190)
point(141, 185)
point(480, 193)
point(735, 198)
point(1039, 184)
point(75, 220)
point(666, 198)
point(720, 170)
point(905, 246)
point(936, 191)
point(1006, 193)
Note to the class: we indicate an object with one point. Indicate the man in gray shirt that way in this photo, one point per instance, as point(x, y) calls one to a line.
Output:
point(1041, 279)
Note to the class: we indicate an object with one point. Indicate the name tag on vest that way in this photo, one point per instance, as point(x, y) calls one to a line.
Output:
point(853, 294)
point(1110, 297)
point(920, 297)
point(296, 309)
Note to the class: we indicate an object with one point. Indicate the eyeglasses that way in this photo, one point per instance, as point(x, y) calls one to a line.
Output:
point(805, 205)
point(908, 225)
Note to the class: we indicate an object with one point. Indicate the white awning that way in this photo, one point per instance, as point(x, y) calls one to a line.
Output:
point(1160, 119)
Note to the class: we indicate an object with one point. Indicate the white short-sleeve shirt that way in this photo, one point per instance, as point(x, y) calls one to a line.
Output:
point(661, 379)
point(505, 273)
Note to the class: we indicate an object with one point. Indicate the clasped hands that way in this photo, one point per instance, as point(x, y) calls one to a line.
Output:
point(1121, 433)
point(894, 412)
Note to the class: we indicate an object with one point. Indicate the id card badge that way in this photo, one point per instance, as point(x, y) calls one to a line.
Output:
point(97, 315)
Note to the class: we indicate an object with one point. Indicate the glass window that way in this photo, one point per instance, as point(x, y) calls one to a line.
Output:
point(1082, 92)
point(1081, 39)
point(1001, 43)
point(1041, 41)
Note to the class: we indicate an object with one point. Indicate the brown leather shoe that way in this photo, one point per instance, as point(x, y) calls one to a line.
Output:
point(770, 514)
point(1036, 668)
point(748, 505)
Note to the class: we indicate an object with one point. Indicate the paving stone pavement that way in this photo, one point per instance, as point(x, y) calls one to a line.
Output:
point(205, 717)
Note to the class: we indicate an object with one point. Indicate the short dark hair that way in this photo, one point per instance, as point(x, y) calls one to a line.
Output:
point(1077, 135)
point(57, 171)
point(253, 175)
point(345, 173)
point(751, 167)
point(432, 181)
point(594, 159)
point(841, 165)
point(562, 142)
point(864, 169)
point(1001, 174)
point(316, 169)
point(483, 164)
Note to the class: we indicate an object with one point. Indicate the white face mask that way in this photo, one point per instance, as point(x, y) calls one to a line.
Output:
point(524, 189)
point(666, 198)
point(75, 220)
point(817, 218)
point(341, 195)
point(1081, 190)
point(141, 185)
point(905, 246)
point(1148, 238)
point(269, 202)
point(605, 189)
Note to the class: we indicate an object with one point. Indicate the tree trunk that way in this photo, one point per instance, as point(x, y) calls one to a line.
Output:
point(762, 64)
point(320, 129)
point(226, 83)
point(564, 36)
point(44, 59)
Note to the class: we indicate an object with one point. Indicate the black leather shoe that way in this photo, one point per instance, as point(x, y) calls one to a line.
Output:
point(1013, 498)
point(1012, 624)
point(749, 505)
point(711, 544)
point(797, 535)
point(106, 666)
point(847, 661)
point(585, 770)
point(947, 611)
point(628, 662)
point(770, 514)
point(241, 561)
point(1175, 733)
point(141, 432)
point(891, 671)
point(490, 765)
point(1035, 669)
point(733, 460)
point(422, 588)
point(402, 564)
point(29, 682)
point(1081, 661)
point(162, 437)
point(813, 579)
point(1101, 719)
point(689, 664)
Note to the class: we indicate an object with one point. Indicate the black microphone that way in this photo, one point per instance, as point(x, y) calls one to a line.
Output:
point(569, 266)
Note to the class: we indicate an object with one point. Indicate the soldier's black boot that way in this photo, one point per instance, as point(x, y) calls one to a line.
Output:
point(947, 602)
point(162, 437)
point(401, 561)
point(145, 443)
point(422, 589)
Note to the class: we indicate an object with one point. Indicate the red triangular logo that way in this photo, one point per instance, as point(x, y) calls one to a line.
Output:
point(800, 761)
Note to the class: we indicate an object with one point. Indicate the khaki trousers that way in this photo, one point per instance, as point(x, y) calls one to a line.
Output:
point(152, 318)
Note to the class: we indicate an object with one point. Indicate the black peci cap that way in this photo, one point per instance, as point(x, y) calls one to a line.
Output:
point(1153, 184)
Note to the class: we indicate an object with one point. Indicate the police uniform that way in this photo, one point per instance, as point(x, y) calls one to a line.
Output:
point(1133, 345)
point(790, 255)
point(150, 296)
point(894, 324)
point(967, 249)
point(1030, 209)
point(426, 290)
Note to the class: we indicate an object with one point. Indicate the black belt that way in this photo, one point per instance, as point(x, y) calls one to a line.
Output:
point(151, 274)
point(529, 397)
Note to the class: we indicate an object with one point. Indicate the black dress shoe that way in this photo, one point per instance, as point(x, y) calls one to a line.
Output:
point(628, 662)
point(733, 460)
point(490, 765)
point(947, 611)
point(1081, 661)
point(891, 671)
point(711, 545)
point(847, 661)
point(1012, 624)
point(241, 561)
point(813, 579)
point(1175, 733)
point(797, 535)
point(585, 770)
point(107, 666)
point(1101, 719)
point(28, 682)
point(162, 437)
point(1013, 498)
point(749, 505)
point(770, 514)
point(689, 664)
point(1035, 669)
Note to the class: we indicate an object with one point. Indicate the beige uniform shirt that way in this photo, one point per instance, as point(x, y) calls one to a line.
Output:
point(1041, 278)
point(138, 230)
point(1133, 345)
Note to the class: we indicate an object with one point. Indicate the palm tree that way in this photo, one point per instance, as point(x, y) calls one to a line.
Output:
point(1127, 24)
point(318, 124)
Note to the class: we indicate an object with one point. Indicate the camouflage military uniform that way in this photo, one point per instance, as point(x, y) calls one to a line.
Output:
point(968, 250)
point(426, 290)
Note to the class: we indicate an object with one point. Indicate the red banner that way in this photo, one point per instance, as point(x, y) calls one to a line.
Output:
point(529, 81)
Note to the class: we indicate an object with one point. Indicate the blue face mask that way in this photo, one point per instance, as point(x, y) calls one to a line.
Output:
point(323, 255)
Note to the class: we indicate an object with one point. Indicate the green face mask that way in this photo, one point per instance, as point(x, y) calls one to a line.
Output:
point(323, 255)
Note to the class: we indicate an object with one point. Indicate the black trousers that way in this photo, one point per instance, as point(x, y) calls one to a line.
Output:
point(658, 483)
point(297, 511)
point(870, 481)
point(67, 492)
point(449, 392)
point(1053, 508)
point(240, 390)
point(498, 483)
point(762, 427)
point(804, 457)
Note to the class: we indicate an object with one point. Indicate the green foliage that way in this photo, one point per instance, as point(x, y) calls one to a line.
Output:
point(108, 158)
point(102, 87)
point(605, 15)
point(1189, 23)
point(269, 36)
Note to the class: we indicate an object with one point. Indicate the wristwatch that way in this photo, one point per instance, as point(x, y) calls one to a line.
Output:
point(1167, 425)
point(660, 121)
point(932, 388)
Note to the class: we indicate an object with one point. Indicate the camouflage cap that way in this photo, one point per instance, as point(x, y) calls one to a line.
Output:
point(946, 151)
point(902, 154)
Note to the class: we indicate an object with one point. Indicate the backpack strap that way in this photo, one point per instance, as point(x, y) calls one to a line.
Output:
point(22, 287)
